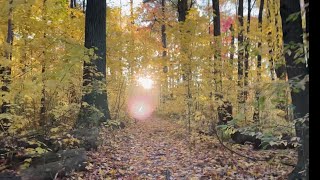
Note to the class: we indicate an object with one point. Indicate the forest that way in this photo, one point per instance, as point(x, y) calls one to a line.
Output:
point(154, 89)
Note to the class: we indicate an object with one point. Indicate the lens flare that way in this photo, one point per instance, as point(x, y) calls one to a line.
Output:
point(145, 82)
point(141, 107)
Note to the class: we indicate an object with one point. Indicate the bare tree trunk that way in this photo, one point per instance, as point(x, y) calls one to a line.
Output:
point(246, 59)
point(292, 33)
point(43, 108)
point(256, 114)
point(270, 41)
point(164, 52)
point(182, 10)
point(94, 72)
point(217, 52)
point(232, 48)
point(5, 71)
point(73, 4)
point(240, 57)
point(84, 6)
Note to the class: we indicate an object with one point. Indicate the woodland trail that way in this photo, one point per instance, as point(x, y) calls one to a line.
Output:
point(160, 149)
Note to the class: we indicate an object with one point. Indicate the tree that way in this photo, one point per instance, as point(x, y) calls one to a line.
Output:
point(5, 71)
point(182, 10)
point(246, 59)
point(94, 71)
point(256, 114)
point(297, 72)
point(217, 55)
point(163, 29)
point(43, 107)
point(240, 56)
point(270, 39)
point(73, 4)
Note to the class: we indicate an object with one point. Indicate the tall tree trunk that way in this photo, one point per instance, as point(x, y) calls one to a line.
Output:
point(43, 108)
point(94, 72)
point(240, 57)
point(280, 67)
point(182, 10)
point(131, 67)
point(232, 44)
point(270, 40)
point(164, 52)
point(73, 4)
point(306, 4)
point(5, 71)
point(256, 114)
point(292, 33)
point(246, 59)
point(232, 48)
point(186, 66)
point(84, 6)
point(217, 52)
point(163, 29)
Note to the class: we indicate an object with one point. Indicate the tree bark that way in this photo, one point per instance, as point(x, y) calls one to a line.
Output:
point(94, 72)
point(240, 57)
point(182, 10)
point(43, 108)
point(73, 4)
point(163, 29)
point(292, 33)
point(5, 71)
point(256, 114)
point(246, 58)
point(217, 52)
point(270, 41)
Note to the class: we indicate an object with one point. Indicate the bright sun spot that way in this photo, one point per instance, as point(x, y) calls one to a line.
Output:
point(145, 82)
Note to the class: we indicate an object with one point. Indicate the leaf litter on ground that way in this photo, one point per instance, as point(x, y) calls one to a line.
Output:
point(162, 149)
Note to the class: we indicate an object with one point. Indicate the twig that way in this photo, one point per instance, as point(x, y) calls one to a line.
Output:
point(287, 164)
point(251, 158)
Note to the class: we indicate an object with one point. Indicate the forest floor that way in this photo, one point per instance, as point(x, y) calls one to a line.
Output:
point(162, 149)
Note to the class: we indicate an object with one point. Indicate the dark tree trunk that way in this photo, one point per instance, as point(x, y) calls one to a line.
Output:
point(163, 29)
point(259, 42)
point(43, 108)
point(280, 67)
point(182, 10)
point(164, 52)
point(84, 6)
point(94, 72)
point(216, 18)
point(270, 42)
point(240, 57)
point(217, 55)
point(306, 3)
point(232, 44)
point(5, 71)
point(73, 4)
point(246, 59)
point(256, 114)
point(292, 33)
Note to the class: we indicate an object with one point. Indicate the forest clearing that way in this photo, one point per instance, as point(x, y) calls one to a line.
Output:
point(154, 89)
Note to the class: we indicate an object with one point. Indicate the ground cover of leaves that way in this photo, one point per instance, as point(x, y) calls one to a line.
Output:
point(162, 149)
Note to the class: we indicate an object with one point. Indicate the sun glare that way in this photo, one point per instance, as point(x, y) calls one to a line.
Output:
point(145, 82)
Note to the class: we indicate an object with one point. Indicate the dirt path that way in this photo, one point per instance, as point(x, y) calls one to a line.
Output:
point(158, 149)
